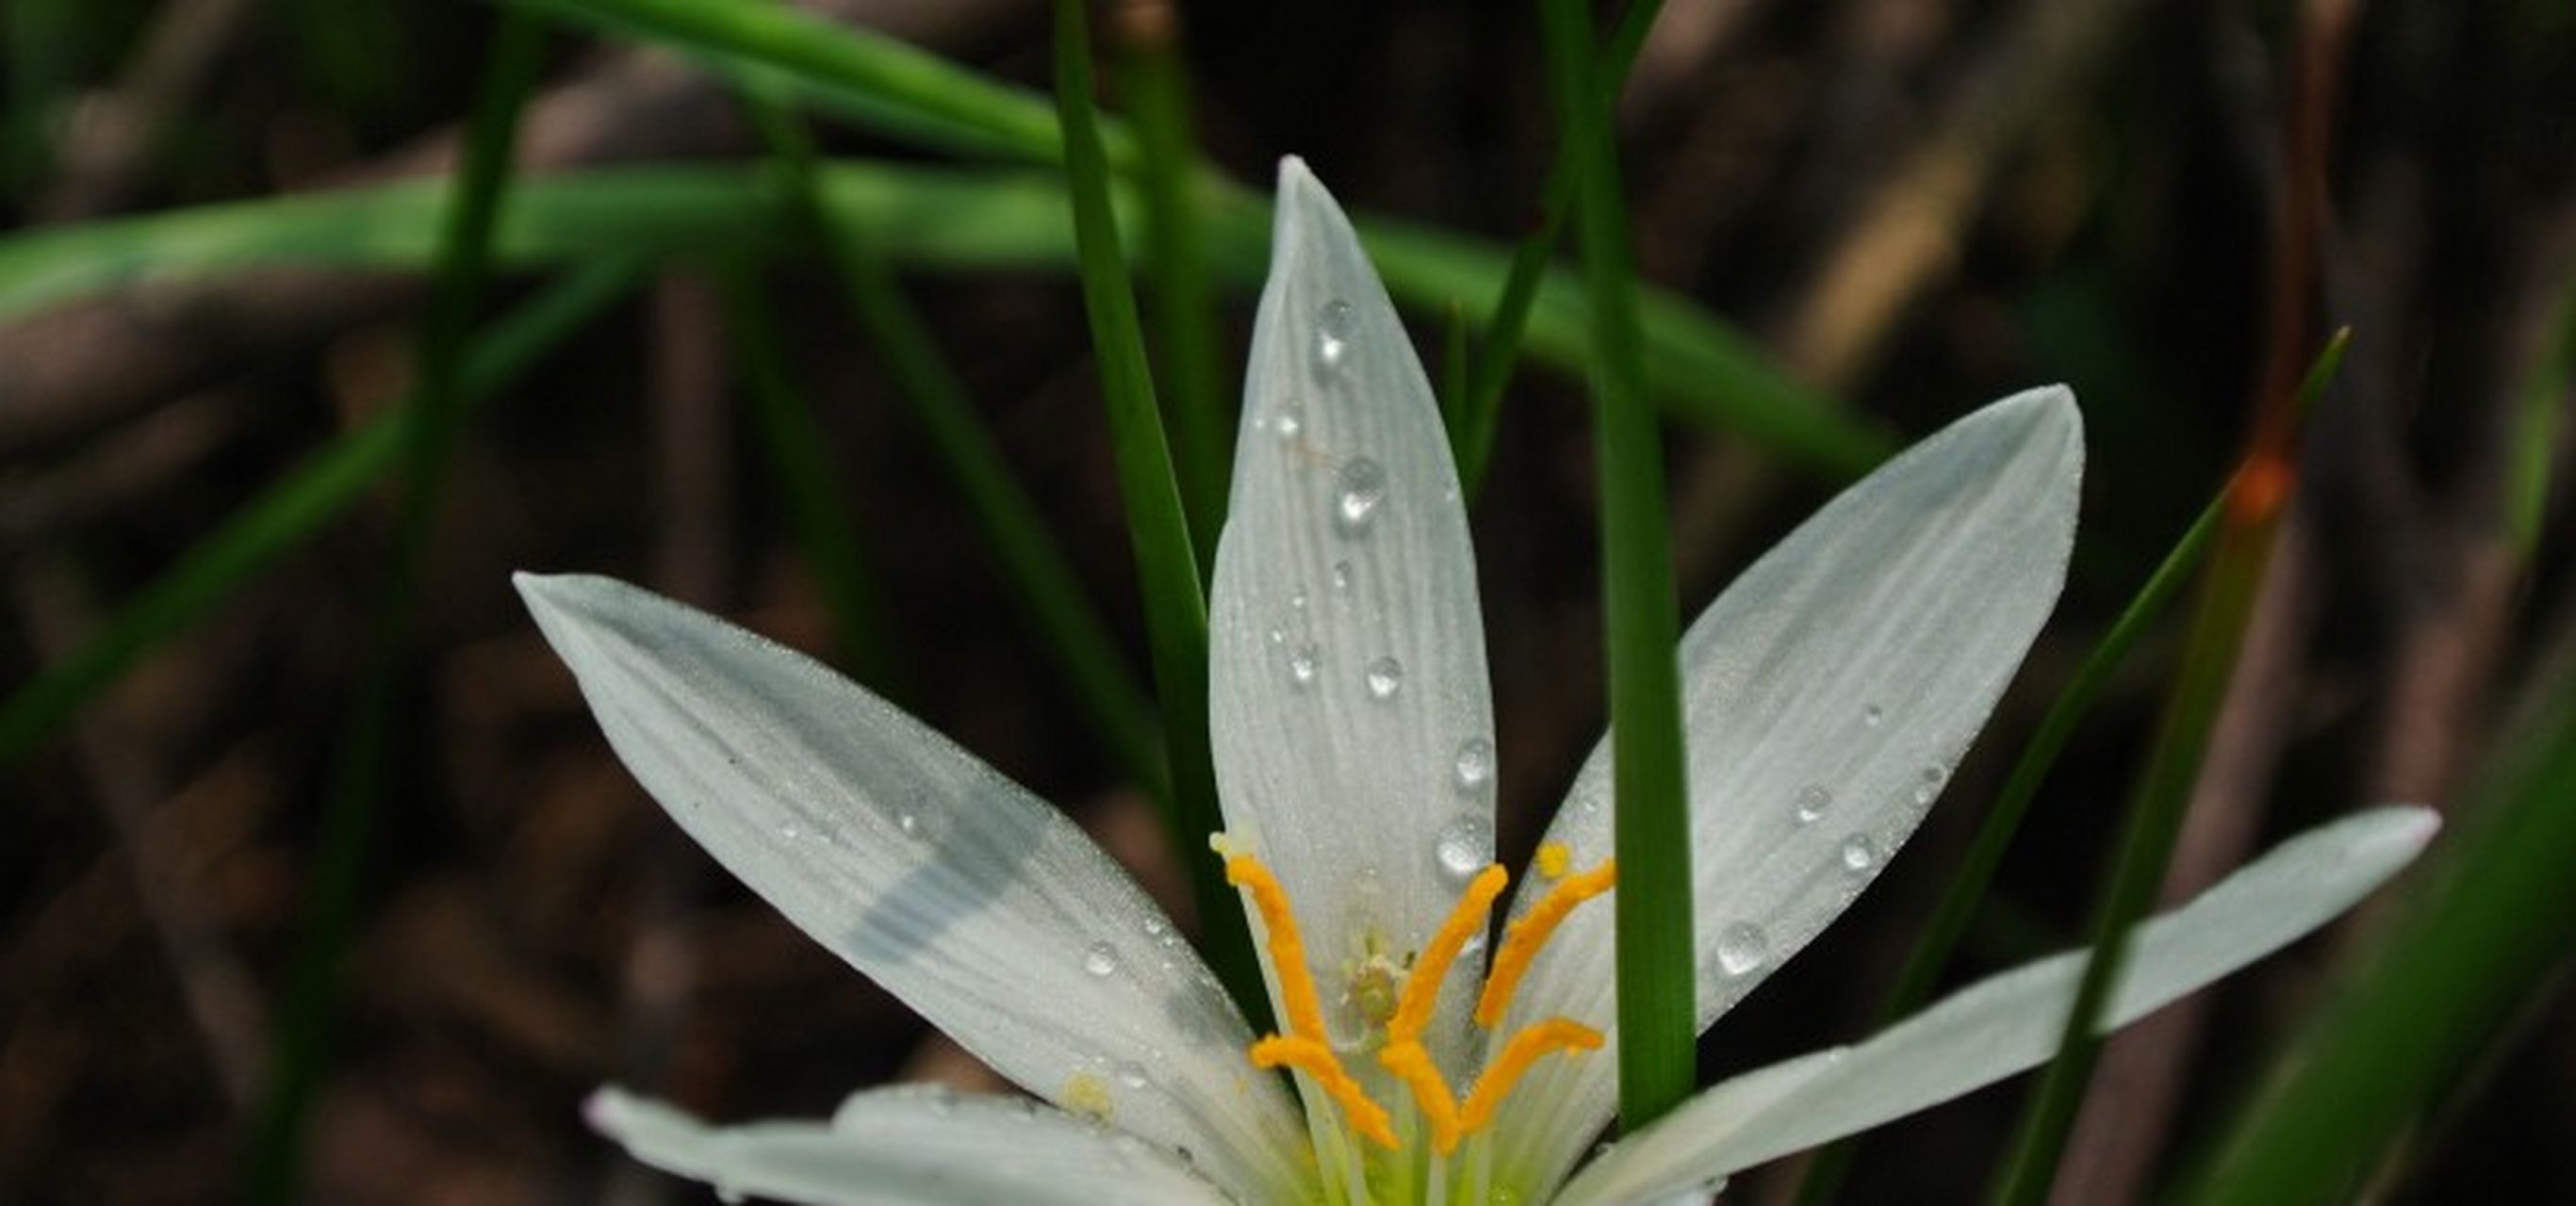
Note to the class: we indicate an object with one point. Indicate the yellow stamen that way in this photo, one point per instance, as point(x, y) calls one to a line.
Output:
point(1523, 938)
point(1287, 951)
point(1553, 860)
point(1422, 983)
point(1411, 1063)
point(1316, 1060)
point(1524, 1049)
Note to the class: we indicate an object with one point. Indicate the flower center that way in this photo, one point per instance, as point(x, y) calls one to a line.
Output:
point(1305, 1049)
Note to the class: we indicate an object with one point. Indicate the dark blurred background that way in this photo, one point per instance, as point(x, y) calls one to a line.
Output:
point(1916, 205)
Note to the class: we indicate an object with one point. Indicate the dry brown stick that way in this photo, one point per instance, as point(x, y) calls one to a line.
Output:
point(89, 365)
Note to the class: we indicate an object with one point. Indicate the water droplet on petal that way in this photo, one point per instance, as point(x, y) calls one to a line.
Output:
point(1100, 960)
point(1335, 323)
point(1341, 575)
point(1385, 676)
point(1928, 784)
point(1873, 716)
point(1131, 1074)
point(1859, 853)
point(1742, 949)
point(1474, 767)
point(1358, 487)
point(1465, 846)
point(788, 832)
point(1303, 663)
point(1288, 421)
point(1813, 800)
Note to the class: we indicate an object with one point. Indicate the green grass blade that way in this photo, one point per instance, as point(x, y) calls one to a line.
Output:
point(1166, 564)
point(873, 79)
point(1658, 962)
point(291, 509)
point(817, 508)
point(2465, 970)
point(1967, 888)
point(431, 422)
point(2250, 518)
point(1182, 300)
point(1491, 370)
point(1701, 370)
point(1071, 632)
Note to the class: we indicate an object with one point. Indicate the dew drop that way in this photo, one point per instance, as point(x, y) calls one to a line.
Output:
point(1335, 323)
point(1873, 716)
point(788, 832)
point(1742, 949)
point(1297, 602)
point(914, 825)
point(1131, 1074)
point(1100, 960)
point(1303, 663)
point(1358, 487)
point(1465, 846)
point(1859, 853)
point(1385, 675)
point(1928, 784)
point(1474, 766)
point(1813, 800)
point(1288, 421)
point(1341, 575)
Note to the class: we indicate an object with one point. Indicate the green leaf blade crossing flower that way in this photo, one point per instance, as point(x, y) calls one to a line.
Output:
point(1351, 722)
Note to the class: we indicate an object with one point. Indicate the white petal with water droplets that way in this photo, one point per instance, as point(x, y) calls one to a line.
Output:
point(1347, 655)
point(1826, 694)
point(982, 908)
point(900, 1147)
point(2009, 1023)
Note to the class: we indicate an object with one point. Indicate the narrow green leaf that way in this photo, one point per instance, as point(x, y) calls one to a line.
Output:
point(1967, 889)
point(1181, 299)
point(1071, 633)
point(1166, 561)
point(1657, 958)
point(1702, 371)
point(432, 420)
point(1482, 400)
point(817, 508)
point(2249, 518)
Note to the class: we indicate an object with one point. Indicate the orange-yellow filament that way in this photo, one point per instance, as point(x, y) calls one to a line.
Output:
point(1287, 951)
point(1411, 1063)
point(1313, 1058)
point(1523, 938)
point(1524, 1049)
point(1431, 968)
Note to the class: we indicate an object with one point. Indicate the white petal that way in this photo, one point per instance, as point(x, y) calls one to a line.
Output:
point(2008, 1023)
point(1347, 655)
point(908, 1148)
point(982, 908)
point(1826, 694)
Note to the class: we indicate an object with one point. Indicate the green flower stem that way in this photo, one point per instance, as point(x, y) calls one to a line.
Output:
point(2250, 519)
point(1166, 562)
point(1657, 957)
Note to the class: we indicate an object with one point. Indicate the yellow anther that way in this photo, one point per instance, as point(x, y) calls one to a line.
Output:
point(1411, 1063)
point(1422, 984)
point(1287, 951)
point(1316, 1060)
point(1524, 1049)
point(1523, 938)
point(1553, 860)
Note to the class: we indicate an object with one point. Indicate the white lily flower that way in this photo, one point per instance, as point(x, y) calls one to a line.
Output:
point(1828, 693)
